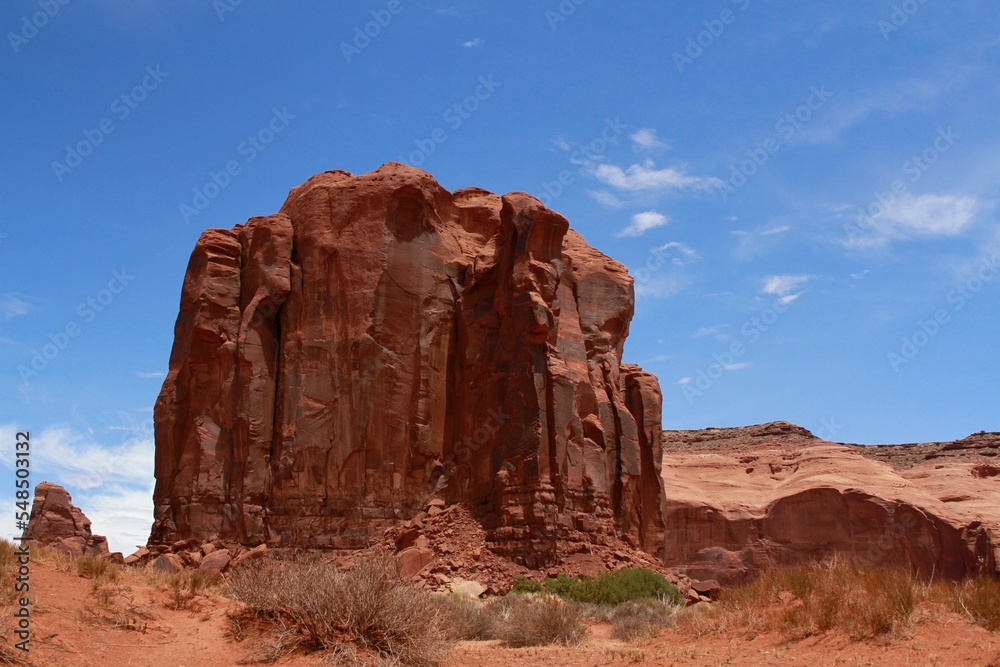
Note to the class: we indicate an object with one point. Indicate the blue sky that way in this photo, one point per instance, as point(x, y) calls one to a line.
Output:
point(806, 192)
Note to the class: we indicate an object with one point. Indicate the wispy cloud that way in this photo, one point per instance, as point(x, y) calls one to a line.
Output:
point(886, 101)
point(606, 199)
point(472, 43)
point(717, 331)
point(11, 306)
point(152, 375)
point(740, 366)
point(911, 217)
point(751, 243)
point(647, 178)
point(643, 222)
point(646, 139)
point(680, 254)
point(685, 380)
point(659, 287)
point(786, 286)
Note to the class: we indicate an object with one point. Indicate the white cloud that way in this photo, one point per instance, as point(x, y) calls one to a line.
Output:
point(123, 515)
point(154, 374)
point(930, 215)
point(682, 253)
point(685, 380)
point(783, 286)
point(743, 365)
point(472, 43)
point(643, 222)
point(646, 139)
point(11, 306)
point(646, 177)
point(775, 230)
point(911, 217)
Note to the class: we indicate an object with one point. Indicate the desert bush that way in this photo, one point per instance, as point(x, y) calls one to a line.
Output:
point(979, 598)
point(862, 600)
point(96, 567)
point(364, 614)
point(638, 619)
point(542, 620)
point(471, 620)
point(611, 588)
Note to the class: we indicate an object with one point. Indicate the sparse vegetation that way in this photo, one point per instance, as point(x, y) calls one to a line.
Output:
point(185, 586)
point(471, 620)
point(862, 600)
point(609, 588)
point(96, 567)
point(114, 606)
point(364, 615)
point(542, 620)
point(640, 619)
point(8, 562)
point(979, 598)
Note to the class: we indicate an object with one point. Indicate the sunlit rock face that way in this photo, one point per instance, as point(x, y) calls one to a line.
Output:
point(380, 339)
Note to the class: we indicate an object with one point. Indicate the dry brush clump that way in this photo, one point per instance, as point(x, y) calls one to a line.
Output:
point(979, 598)
point(366, 615)
point(97, 568)
point(641, 619)
point(861, 600)
point(541, 620)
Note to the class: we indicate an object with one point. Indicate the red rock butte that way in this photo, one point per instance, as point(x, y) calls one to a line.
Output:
point(379, 340)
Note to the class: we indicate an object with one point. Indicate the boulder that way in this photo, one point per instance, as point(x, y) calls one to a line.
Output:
point(215, 562)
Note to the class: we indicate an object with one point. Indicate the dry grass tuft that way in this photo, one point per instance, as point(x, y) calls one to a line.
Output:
point(367, 615)
point(97, 568)
point(979, 598)
point(862, 600)
point(187, 585)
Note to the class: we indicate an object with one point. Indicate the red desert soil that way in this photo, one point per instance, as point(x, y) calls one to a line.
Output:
point(64, 633)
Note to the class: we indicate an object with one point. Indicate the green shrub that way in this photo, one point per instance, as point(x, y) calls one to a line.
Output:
point(612, 588)
point(524, 585)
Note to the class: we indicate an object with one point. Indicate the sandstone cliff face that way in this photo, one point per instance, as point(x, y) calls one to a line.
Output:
point(56, 522)
point(380, 339)
point(743, 499)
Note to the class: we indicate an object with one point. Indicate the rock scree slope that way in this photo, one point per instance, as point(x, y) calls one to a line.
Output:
point(381, 339)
